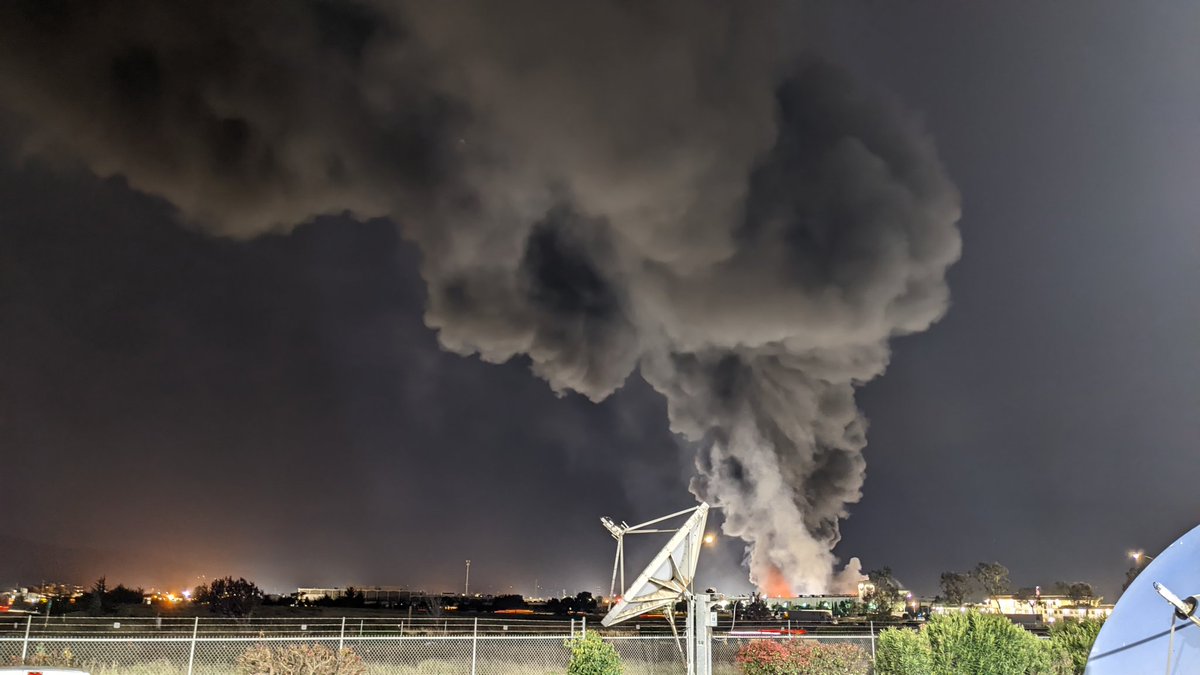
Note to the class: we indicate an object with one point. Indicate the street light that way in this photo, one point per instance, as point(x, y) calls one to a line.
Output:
point(709, 539)
point(1138, 555)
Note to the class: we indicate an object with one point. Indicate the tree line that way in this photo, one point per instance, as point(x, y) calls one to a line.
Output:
point(991, 578)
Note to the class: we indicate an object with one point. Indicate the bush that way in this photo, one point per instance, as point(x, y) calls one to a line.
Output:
point(763, 657)
point(43, 659)
point(65, 658)
point(900, 651)
point(1074, 639)
point(981, 644)
point(810, 657)
point(969, 644)
point(299, 659)
point(229, 596)
point(1051, 659)
point(590, 655)
point(802, 657)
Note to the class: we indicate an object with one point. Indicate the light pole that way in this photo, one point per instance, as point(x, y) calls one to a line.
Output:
point(467, 583)
point(1138, 556)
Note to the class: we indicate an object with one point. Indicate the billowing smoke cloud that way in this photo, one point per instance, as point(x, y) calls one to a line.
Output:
point(605, 187)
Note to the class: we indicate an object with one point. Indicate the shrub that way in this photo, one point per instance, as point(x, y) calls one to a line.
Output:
point(801, 657)
point(229, 596)
point(1050, 659)
point(299, 659)
point(43, 659)
point(764, 657)
point(900, 651)
point(591, 655)
point(969, 644)
point(809, 657)
point(1074, 639)
point(65, 658)
point(980, 644)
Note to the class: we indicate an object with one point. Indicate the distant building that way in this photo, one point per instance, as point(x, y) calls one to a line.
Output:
point(1033, 607)
point(25, 595)
point(371, 594)
point(811, 601)
point(317, 594)
point(61, 591)
point(840, 604)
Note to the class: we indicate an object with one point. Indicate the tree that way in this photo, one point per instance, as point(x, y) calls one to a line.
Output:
point(125, 596)
point(501, 602)
point(96, 596)
point(1078, 593)
point(352, 598)
point(956, 586)
point(584, 602)
point(1082, 593)
point(992, 578)
point(883, 591)
point(1130, 575)
point(229, 596)
point(847, 608)
point(756, 610)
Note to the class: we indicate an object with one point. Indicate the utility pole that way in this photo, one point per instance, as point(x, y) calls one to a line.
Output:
point(467, 583)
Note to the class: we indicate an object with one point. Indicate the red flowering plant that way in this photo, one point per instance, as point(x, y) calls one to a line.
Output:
point(764, 657)
point(802, 657)
point(810, 657)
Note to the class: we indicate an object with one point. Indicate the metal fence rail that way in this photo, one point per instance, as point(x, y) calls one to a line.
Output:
point(400, 626)
point(474, 649)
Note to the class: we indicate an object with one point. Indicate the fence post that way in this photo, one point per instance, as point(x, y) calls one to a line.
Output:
point(583, 622)
point(342, 636)
point(192, 652)
point(789, 633)
point(872, 642)
point(572, 629)
point(474, 644)
point(25, 644)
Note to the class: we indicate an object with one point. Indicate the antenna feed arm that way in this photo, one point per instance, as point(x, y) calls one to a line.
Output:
point(613, 529)
point(1185, 609)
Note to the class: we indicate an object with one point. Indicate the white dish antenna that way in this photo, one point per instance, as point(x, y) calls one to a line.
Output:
point(669, 576)
point(1155, 626)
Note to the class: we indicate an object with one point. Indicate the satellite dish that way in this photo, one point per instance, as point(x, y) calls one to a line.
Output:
point(1155, 626)
point(619, 531)
point(669, 576)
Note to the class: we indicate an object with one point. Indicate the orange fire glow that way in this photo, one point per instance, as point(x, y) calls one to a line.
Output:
point(775, 586)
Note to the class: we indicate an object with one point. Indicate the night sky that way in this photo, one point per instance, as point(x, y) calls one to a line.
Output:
point(186, 392)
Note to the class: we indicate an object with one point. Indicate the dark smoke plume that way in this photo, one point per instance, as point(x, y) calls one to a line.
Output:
point(604, 187)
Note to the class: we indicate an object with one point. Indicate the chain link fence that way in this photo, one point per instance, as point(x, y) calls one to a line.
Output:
point(427, 647)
